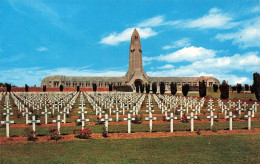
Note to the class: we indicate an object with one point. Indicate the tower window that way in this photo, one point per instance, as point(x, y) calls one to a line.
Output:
point(136, 37)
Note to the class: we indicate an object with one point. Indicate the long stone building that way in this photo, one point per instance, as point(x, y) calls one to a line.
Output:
point(134, 76)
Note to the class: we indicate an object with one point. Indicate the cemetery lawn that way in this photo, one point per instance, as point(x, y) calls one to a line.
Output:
point(177, 149)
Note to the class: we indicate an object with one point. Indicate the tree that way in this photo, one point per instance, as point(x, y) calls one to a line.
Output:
point(173, 88)
point(110, 87)
point(234, 88)
point(94, 87)
point(44, 88)
point(142, 88)
point(246, 87)
point(215, 87)
point(162, 88)
point(202, 89)
point(8, 87)
point(147, 87)
point(26, 88)
point(61, 88)
point(185, 89)
point(239, 88)
point(256, 84)
point(154, 88)
point(78, 88)
point(252, 88)
point(224, 89)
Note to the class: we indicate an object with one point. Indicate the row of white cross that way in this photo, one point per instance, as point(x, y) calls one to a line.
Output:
point(139, 102)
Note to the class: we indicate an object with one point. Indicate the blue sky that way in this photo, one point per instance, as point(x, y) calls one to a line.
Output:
point(91, 38)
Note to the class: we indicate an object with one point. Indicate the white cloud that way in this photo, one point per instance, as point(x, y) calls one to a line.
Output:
point(248, 36)
point(152, 22)
point(116, 38)
point(188, 54)
point(167, 66)
point(223, 68)
point(215, 19)
point(42, 49)
point(184, 42)
point(256, 9)
point(246, 62)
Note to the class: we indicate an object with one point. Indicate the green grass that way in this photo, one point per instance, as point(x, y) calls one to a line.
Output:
point(178, 149)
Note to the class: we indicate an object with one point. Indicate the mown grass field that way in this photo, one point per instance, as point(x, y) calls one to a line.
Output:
point(178, 149)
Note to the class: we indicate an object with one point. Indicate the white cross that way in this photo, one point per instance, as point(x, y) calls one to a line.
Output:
point(211, 117)
point(46, 115)
point(171, 122)
point(7, 123)
point(150, 118)
point(181, 110)
point(191, 117)
point(26, 113)
point(230, 116)
point(58, 122)
point(129, 119)
point(249, 115)
point(117, 114)
point(82, 120)
point(33, 122)
point(8, 113)
point(106, 119)
point(64, 114)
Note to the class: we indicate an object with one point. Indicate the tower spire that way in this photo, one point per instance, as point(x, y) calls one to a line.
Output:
point(135, 59)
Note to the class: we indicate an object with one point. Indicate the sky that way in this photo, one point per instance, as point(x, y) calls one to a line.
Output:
point(180, 38)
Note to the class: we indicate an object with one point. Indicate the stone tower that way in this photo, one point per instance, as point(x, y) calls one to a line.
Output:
point(135, 73)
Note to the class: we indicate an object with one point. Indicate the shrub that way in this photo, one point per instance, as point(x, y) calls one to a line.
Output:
point(162, 88)
point(185, 89)
point(26, 88)
point(61, 88)
point(82, 133)
point(252, 88)
point(239, 88)
point(110, 87)
point(198, 132)
point(214, 128)
point(105, 132)
point(246, 87)
point(184, 118)
point(154, 88)
point(234, 88)
point(173, 88)
point(44, 88)
point(256, 85)
point(99, 122)
point(224, 89)
point(8, 87)
point(138, 119)
point(202, 89)
point(54, 135)
point(19, 114)
point(147, 88)
point(31, 134)
point(215, 87)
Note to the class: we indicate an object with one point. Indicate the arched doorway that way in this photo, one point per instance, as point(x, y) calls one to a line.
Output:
point(138, 84)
